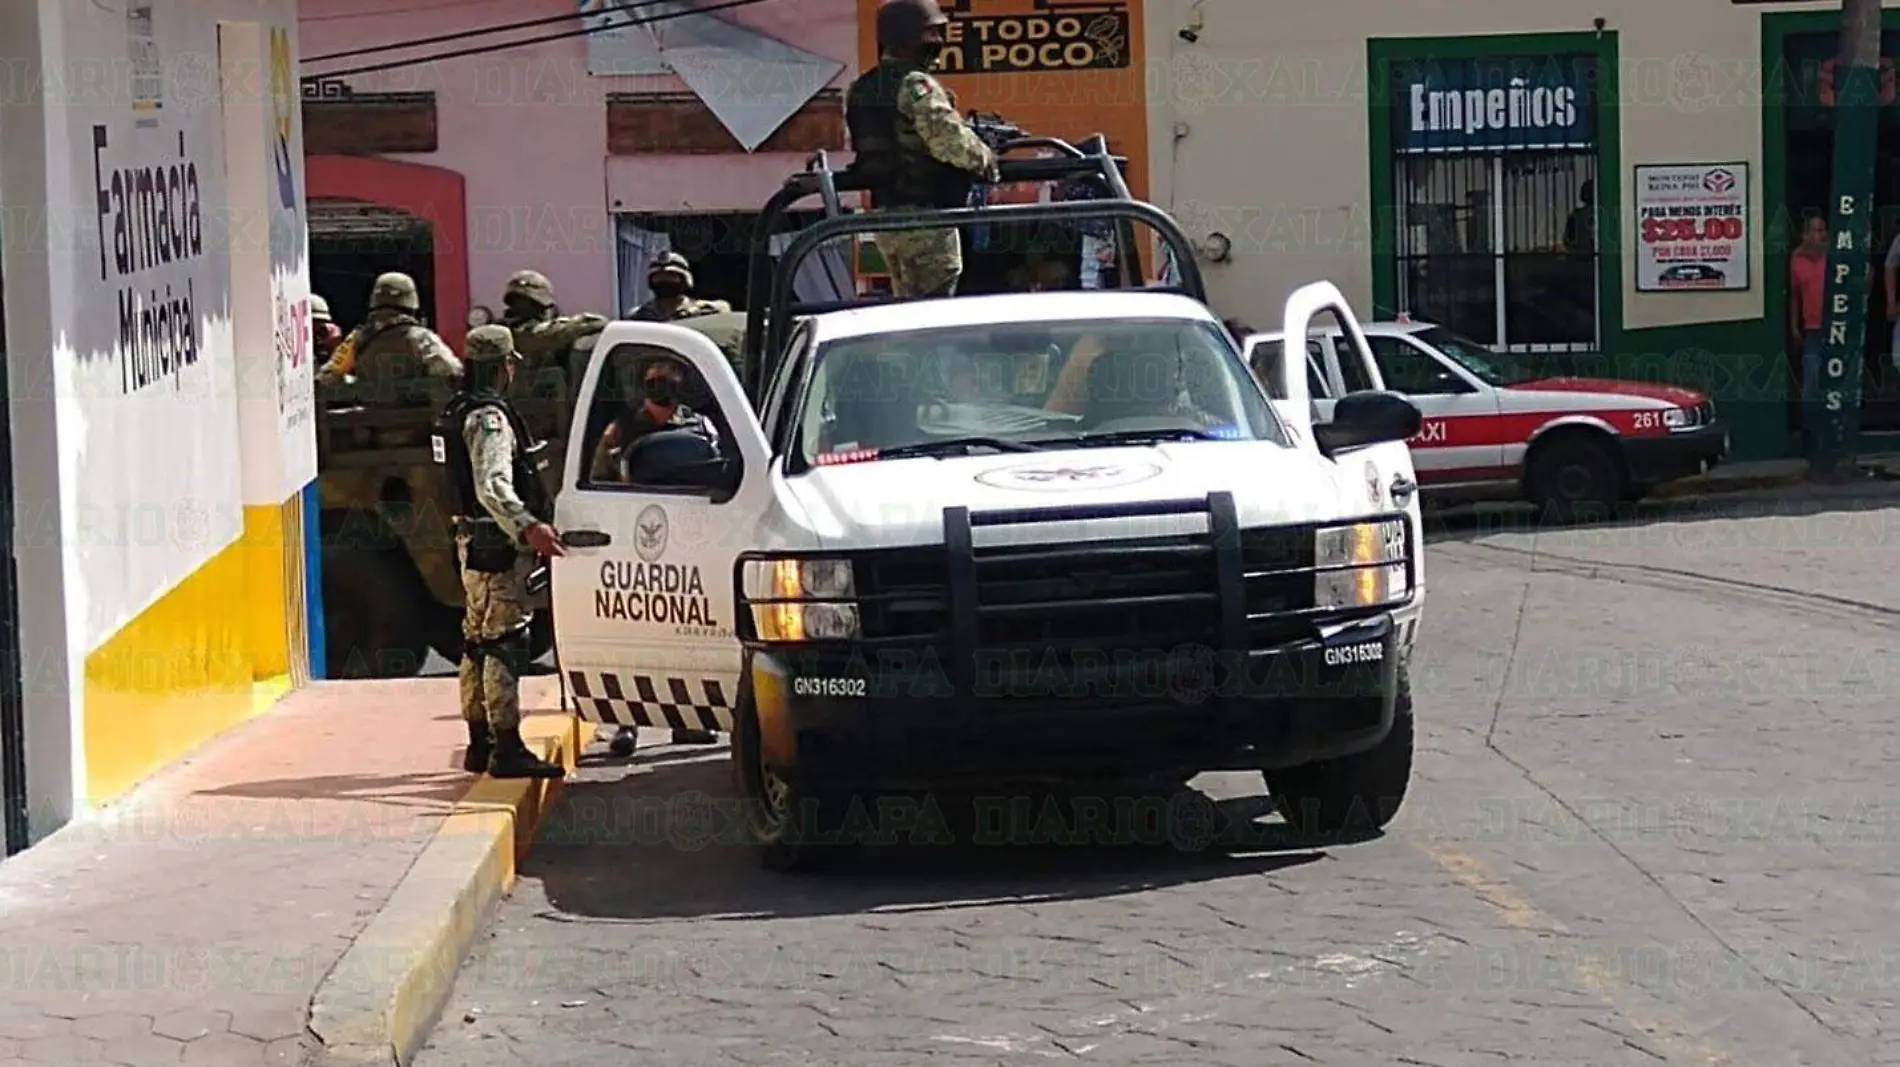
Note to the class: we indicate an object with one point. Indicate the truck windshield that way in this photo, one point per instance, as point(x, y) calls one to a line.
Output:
point(1027, 387)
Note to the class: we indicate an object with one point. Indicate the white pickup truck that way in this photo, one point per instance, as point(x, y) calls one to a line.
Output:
point(1002, 538)
point(1005, 539)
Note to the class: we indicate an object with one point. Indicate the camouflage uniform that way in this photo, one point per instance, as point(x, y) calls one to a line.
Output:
point(543, 336)
point(495, 613)
point(672, 267)
point(392, 355)
point(913, 150)
point(929, 262)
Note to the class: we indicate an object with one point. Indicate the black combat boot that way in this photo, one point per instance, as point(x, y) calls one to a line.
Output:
point(481, 745)
point(624, 742)
point(513, 760)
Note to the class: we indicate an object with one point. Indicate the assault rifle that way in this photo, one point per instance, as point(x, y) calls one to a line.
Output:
point(992, 129)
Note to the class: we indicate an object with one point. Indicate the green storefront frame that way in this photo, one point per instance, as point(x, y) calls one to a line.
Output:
point(1779, 238)
point(1383, 53)
point(1730, 360)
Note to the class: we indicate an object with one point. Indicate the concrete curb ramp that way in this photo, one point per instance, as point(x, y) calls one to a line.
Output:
point(377, 1006)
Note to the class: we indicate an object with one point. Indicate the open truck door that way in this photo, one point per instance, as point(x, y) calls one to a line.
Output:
point(643, 600)
point(1384, 469)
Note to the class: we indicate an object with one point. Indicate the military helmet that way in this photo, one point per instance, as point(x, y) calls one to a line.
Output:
point(395, 290)
point(531, 285)
point(672, 263)
point(901, 23)
point(319, 309)
point(490, 344)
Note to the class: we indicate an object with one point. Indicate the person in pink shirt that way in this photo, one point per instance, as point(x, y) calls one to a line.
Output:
point(1807, 284)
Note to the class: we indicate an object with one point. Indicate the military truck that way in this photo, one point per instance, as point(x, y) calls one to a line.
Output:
point(392, 587)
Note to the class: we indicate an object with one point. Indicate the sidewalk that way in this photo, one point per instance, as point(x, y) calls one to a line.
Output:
point(196, 922)
point(1766, 474)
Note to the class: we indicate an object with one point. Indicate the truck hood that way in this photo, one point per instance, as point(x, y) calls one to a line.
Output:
point(892, 503)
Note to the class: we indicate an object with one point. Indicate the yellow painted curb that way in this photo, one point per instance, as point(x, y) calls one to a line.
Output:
point(377, 1006)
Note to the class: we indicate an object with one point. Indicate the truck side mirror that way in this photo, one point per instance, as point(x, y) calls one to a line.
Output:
point(1367, 418)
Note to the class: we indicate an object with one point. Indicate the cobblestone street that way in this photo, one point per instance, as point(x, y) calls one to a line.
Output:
point(1647, 826)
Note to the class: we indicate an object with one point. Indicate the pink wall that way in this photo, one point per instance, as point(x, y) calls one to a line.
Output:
point(528, 130)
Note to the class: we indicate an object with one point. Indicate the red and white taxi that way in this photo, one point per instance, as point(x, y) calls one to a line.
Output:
point(1569, 445)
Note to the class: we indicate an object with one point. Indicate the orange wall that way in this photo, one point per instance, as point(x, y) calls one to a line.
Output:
point(1071, 104)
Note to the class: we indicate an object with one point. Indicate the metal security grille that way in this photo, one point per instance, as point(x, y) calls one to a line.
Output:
point(1501, 247)
point(1494, 174)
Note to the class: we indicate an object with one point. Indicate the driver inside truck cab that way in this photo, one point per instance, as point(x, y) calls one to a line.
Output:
point(656, 403)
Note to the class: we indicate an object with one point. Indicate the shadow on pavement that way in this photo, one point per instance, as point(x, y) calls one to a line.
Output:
point(665, 842)
point(1472, 522)
point(424, 789)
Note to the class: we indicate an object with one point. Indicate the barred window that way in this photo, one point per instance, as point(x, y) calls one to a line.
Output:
point(1495, 178)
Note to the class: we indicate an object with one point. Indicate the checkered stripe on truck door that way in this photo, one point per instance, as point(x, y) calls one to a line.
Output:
point(651, 700)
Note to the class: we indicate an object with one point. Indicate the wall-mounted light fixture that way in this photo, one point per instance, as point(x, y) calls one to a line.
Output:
point(480, 315)
point(1217, 248)
point(1190, 30)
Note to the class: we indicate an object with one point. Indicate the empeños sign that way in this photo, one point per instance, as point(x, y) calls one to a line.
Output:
point(1494, 105)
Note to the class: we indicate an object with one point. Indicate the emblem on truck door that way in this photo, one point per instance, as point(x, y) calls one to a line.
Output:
point(649, 538)
point(1062, 478)
point(1375, 493)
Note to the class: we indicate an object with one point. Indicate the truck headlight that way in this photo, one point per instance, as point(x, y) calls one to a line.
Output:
point(801, 599)
point(1363, 565)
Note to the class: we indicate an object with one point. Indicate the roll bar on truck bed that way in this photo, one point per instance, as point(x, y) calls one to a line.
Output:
point(1091, 166)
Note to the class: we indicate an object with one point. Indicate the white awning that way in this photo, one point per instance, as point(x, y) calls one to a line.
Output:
point(752, 82)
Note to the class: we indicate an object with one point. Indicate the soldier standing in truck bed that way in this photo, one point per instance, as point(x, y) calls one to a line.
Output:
point(913, 147)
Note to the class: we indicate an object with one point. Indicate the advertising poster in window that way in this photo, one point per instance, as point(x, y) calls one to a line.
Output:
point(1692, 228)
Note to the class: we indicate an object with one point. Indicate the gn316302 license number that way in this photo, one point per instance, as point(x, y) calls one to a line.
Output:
point(828, 687)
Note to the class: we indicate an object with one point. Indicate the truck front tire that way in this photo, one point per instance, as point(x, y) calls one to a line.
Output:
point(783, 818)
point(1350, 796)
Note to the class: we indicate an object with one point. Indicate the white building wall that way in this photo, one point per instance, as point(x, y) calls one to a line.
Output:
point(49, 661)
point(1270, 104)
point(132, 460)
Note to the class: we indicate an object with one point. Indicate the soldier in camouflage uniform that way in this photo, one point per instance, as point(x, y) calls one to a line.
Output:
point(656, 407)
point(392, 361)
point(913, 147)
point(671, 279)
point(501, 525)
point(323, 332)
point(542, 334)
point(391, 345)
